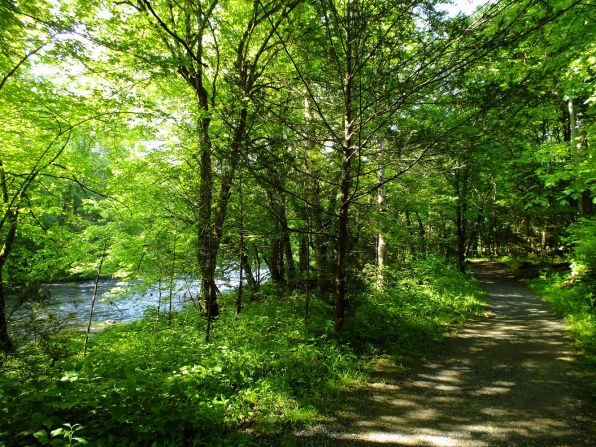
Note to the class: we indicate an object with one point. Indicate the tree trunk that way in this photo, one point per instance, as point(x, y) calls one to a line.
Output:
point(319, 241)
point(172, 273)
point(578, 143)
point(275, 260)
point(6, 344)
point(421, 233)
point(242, 255)
point(303, 254)
point(159, 293)
point(5, 341)
point(381, 209)
point(10, 218)
point(250, 279)
point(342, 247)
point(461, 184)
point(286, 242)
point(347, 152)
point(95, 289)
point(207, 249)
point(411, 233)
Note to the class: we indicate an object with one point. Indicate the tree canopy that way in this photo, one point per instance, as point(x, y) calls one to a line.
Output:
point(322, 138)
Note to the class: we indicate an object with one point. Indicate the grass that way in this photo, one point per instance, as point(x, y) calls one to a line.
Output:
point(151, 383)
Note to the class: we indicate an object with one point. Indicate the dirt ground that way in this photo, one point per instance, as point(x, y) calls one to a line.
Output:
point(508, 379)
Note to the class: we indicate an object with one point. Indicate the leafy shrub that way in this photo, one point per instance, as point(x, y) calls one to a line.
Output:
point(149, 381)
point(582, 237)
point(417, 309)
point(155, 383)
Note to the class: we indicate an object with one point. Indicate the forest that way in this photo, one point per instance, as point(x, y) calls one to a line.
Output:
point(308, 178)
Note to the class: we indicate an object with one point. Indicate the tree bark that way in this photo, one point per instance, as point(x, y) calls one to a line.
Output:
point(411, 233)
point(461, 184)
point(6, 344)
point(347, 152)
point(578, 143)
point(381, 209)
point(275, 261)
point(250, 279)
point(239, 296)
point(95, 289)
point(320, 241)
point(421, 233)
point(10, 218)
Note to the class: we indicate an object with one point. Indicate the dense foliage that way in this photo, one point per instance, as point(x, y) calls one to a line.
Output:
point(158, 383)
point(335, 155)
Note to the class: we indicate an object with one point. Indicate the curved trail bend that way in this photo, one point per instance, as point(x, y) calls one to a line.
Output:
point(507, 379)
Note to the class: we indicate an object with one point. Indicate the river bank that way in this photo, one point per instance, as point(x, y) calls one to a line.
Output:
point(68, 303)
point(265, 369)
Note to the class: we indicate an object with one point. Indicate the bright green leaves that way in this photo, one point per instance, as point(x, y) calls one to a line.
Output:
point(582, 238)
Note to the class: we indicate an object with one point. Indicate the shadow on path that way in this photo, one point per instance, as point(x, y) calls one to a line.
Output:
point(505, 380)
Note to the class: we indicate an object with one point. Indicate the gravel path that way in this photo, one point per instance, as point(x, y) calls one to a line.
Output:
point(505, 380)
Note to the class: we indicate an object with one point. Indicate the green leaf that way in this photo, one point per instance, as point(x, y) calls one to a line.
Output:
point(41, 436)
point(57, 432)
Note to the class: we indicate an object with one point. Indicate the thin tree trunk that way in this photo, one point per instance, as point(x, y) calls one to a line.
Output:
point(578, 145)
point(258, 263)
point(172, 273)
point(347, 152)
point(319, 241)
point(159, 294)
point(421, 233)
point(461, 184)
point(6, 344)
point(411, 233)
point(241, 279)
point(307, 282)
point(11, 218)
point(96, 287)
point(286, 243)
point(250, 278)
point(381, 209)
point(240, 283)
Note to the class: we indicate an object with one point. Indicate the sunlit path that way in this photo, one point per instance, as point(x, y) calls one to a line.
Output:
point(506, 380)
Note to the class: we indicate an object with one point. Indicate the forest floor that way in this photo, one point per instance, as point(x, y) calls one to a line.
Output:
point(507, 379)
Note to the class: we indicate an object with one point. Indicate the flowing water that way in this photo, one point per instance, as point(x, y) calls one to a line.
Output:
point(69, 303)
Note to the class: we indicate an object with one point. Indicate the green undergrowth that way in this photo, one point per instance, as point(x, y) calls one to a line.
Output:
point(156, 383)
point(416, 309)
point(574, 301)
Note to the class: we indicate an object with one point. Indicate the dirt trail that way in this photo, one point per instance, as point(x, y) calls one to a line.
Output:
point(505, 380)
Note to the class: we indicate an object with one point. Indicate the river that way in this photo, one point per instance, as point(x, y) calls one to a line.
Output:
point(69, 303)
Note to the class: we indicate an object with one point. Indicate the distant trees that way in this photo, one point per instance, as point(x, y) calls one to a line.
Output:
point(322, 136)
point(32, 140)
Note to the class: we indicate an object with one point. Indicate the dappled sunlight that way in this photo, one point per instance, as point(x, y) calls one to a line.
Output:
point(490, 391)
point(495, 412)
point(502, 381)
point(398, 439)
point(446, 376)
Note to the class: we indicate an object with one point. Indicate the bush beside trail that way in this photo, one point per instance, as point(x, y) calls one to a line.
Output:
point(158, 383)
